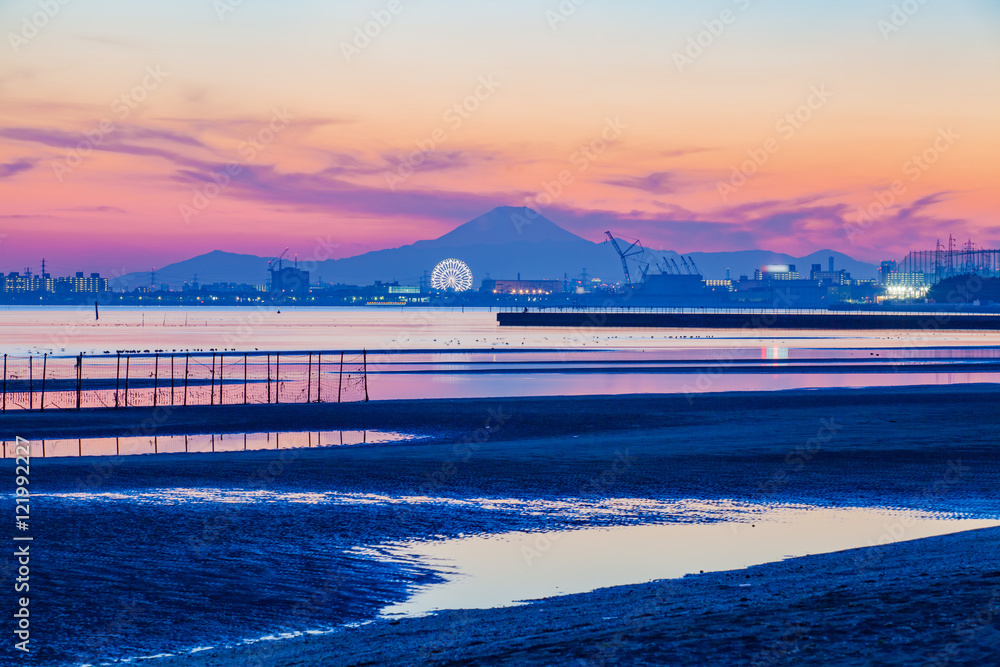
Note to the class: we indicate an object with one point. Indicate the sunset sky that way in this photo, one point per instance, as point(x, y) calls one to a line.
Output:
point(138, 134)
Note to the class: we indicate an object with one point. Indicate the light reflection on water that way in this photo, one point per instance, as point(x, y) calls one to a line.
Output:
point(44, 329)
point(553, 383)
point(508, 569)
point(566, 509)
point(206, 442)
point(450, 354)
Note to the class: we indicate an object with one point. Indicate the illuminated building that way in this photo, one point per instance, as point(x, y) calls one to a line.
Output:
point(522, 287)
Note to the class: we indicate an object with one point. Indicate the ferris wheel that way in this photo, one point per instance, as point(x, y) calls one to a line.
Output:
point(453, 275)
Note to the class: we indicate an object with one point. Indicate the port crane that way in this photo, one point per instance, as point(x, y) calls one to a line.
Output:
point(633, 250)
point(277, 260)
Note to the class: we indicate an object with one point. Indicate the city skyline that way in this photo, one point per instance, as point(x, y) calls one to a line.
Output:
point(863, 128)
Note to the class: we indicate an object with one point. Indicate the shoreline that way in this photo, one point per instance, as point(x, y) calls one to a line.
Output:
point(456, 419)
point(829, 448)
point(932, 601)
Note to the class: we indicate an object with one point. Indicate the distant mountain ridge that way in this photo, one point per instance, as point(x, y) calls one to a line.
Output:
point(504, 243)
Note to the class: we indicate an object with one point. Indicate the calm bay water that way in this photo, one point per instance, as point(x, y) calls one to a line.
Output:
point(423, 353)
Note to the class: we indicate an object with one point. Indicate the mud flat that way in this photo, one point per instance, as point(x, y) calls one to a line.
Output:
point(530, 417)
point(926, 449)
point(930, 602)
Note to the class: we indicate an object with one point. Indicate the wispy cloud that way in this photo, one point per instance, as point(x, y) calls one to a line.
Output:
point(681, 152)
point(796, 226)
point(327, 190)
point(9, 169)
point(125, 140)
point(658, 183)
point(94, 209)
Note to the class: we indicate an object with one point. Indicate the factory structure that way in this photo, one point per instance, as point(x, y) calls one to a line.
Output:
point(920, 270)
point(287, 281)
point(646, 279)
point(522, 287)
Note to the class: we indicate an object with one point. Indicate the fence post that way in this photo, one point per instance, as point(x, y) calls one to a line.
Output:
point(128, 358)
point(365, 358)
point(118, 375)
point(156, 378)
point(309, 375)
point(244, 378)
point(269, 378)
point(31, 383)
point(79, 378)
point(222, 359)
point(211, 386)
point(277, 378)
point(41, 406)
point(319, 378)
point(340, 383)
point(187, 361)
point(171, 380)
point(5, 383)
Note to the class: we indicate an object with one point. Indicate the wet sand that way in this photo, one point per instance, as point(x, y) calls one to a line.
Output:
point(528, 417)
point(922, 448)
point(927, 602)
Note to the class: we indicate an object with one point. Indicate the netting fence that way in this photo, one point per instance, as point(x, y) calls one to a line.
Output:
point(172, 379)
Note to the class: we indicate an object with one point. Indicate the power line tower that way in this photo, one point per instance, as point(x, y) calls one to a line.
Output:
point(938, 261)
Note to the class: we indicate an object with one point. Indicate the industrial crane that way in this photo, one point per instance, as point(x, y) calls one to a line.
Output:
point(676, 265)
point(693, 266)
point(630, 251)
point(270, 264)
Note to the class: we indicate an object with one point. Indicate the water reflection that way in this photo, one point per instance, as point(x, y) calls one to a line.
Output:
point(506, 569)
point(204, 442)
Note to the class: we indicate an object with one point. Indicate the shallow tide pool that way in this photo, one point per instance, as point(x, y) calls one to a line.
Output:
point(511, 568)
